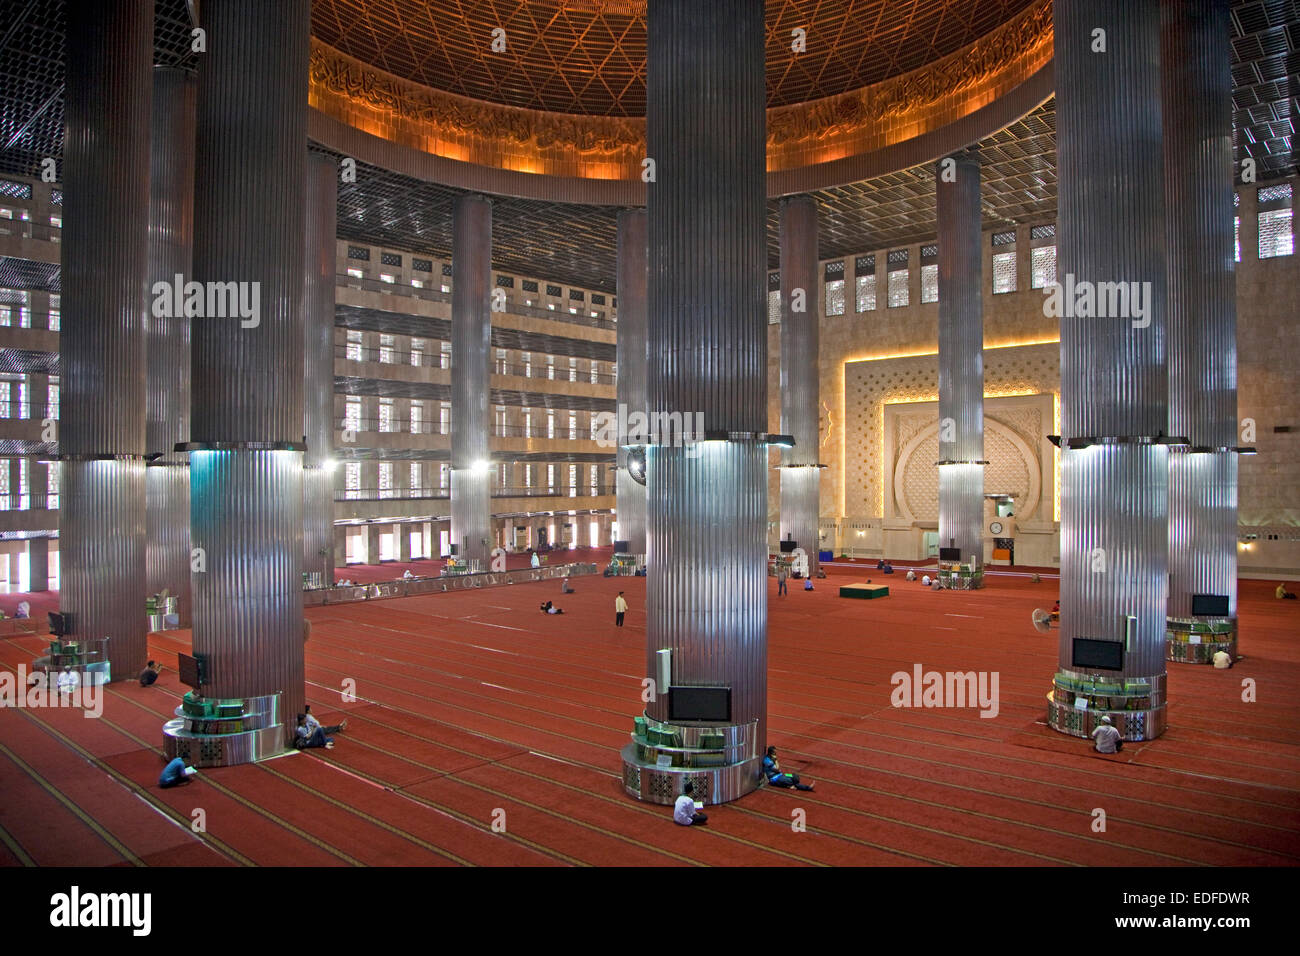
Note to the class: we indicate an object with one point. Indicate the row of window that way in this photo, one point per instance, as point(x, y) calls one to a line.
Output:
point(1276, 237)
point(24, 499)
point(418, 472)
point(15, 398)
point(387, 354)
point(389, 278)
point(416, 423)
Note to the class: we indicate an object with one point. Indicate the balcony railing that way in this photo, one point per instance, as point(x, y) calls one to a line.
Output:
point(435, 294)
point(27, 410)
point(397, 426)
point(434, 494)
point(430, 358)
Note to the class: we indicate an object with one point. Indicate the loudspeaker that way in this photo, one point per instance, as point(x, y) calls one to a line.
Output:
point(664, 658)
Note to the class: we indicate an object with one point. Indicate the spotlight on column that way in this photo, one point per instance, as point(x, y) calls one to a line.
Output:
point(636, 463)
point(482, 465)
point(329, 465)
point(781, 441)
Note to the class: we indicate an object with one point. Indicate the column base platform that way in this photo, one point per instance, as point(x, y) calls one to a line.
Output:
point(223, 733)
point(1136, 706)
point(720, 760)
point(1190, 641)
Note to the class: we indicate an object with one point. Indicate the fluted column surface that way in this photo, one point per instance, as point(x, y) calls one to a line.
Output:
point(171, 237)
point(1197, 103)
point(961, 357)
point(247, 499)
point(471, 332)
point(109, 54)
point(800, 376)
point(632, 359)
point(1110, 228)
point(707, 335)
point(318, 366)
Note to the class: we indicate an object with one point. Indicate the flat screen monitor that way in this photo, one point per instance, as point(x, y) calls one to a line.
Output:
point(188, 670)
point(700, 703)
point(787, 547)
point(950, 554)
point(60, 623)
point(622, 547)
point(1091, 654)
point(1210, 605)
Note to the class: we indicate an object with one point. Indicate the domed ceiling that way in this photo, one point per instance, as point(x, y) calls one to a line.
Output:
point(589, 56)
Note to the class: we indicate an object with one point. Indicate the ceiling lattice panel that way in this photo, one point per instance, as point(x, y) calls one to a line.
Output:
point(588, 56)
point(1266, 91)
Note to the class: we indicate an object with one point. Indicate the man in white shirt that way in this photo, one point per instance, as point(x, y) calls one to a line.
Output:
point(620, 608)
point(68, 680)
point(1107, 737)
point(1222, 660)
point(684, 811)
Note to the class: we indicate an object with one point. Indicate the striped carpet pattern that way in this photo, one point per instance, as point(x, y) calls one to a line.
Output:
point(482, 732)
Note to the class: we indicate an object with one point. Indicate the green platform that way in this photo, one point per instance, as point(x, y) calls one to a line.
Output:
point(866, 591)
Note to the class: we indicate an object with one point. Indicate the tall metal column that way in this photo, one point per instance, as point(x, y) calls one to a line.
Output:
point(1114, 411)
point(801, 474)
point(102, 438)
point(471, 334)
point(318, 368)
point(706, 590)
point(246, 451)
point(961, 364)
point(171, 238)
point(1202, 321)
point(632, 357)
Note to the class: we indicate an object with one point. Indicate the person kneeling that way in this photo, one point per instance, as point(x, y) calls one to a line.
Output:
point(772, 770)
point(684, 811)
point(176, 773)
point(1107, 737)
point(306, 738)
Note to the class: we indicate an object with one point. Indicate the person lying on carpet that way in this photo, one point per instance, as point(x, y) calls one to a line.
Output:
point(176, 773)
point(314, 725)
point(549, 608)
point(684, 811)
point(306, 738)
point(1107, 737)
point(772, 770)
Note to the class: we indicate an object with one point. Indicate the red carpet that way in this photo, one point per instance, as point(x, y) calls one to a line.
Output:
point(473, 708)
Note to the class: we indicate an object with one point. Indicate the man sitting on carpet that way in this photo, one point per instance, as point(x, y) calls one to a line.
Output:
point(149, 674)
point(1283, 594)
point(684, 811)
point(314, 725)
point(549, 608)
point(307, 738)
point(1107, 737)
point(772, 770)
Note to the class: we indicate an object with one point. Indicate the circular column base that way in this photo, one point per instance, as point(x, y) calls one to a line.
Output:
point(1196, 642)
point(663, 785)
point(1136, 706)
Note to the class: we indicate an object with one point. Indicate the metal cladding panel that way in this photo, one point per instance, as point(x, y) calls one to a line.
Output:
point(471, 330)
point(471, 508)
point(167, 337)
point(1110, 229)
point(318, 521)
point(109, 56)
point(1110, 221)
point(167, 539)
point(248, 220)
point(1202, 529)
point(706, 590)
point(801, 509)
point(318, 365)
point(961, 510)
point(800, 373)
point(318, 309)
point(706, 130)
point(102, 557)
point(633, 362)
point(706, 577)
point(246, 515)
point(1114, 543)
point(171, 237)
point(1197, 103)
point(961, 357)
